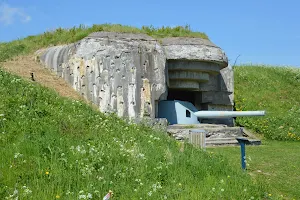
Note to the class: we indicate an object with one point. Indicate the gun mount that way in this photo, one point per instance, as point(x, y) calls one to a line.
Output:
point(183, 112)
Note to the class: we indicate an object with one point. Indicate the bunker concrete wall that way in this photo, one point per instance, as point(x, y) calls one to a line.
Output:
point(122, 73)
point(129, 73)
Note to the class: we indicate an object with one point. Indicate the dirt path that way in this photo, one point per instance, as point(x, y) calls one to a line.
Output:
point(25, 65)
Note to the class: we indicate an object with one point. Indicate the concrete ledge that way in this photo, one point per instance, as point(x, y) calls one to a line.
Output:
point(216, 135)
point(187, 75)
point(195, 66)
point(197, 49)
point(187, 85)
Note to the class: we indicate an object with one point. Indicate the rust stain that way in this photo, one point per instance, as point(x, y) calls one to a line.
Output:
point(146, 86)
point(146, 98)
point(82, 68)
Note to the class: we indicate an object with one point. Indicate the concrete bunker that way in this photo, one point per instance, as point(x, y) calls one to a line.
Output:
point(198, 73)
point(132, 74)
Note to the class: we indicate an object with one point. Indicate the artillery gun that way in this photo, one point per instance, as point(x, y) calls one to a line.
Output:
point(183, 112)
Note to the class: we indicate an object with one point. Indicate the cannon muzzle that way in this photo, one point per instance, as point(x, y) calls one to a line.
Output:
point(227, 114)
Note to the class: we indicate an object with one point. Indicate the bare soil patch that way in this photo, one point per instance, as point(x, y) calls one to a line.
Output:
point(25, 65)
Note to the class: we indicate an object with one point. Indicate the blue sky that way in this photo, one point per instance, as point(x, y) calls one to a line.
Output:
point(260, 31)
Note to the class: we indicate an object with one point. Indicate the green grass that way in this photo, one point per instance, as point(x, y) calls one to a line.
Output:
point(277, 162)
point(274, 89)
point(56, 147)
point(65, 36)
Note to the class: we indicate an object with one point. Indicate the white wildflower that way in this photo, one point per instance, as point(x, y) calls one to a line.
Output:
point(89, 196)
point(17, 155)
point(14, 195)
point(15, 192)
point(141, 155)
point(82, 196)
point(154, 187)
point(158, 185)
point(27, 191)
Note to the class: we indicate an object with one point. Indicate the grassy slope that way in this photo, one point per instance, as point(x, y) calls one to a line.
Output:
point(277, 162)
point(51, 146)
point(274, 89)
point(65, 36)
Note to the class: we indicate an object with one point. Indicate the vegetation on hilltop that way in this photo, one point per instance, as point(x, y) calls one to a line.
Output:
point(66, 36)
point(274, 89)
point(53, 147)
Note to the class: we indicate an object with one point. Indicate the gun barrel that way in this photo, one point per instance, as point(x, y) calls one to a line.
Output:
point(227, 114)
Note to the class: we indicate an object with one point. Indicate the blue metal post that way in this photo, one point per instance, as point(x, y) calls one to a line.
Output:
point(242, 142)
point(243, 155)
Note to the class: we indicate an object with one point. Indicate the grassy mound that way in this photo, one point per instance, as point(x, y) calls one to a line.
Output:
point(274, 89)
point(53, 147)
point(66, 36)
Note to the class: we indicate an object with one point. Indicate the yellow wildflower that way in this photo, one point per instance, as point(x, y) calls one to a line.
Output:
point(47, 173)
point(57, 196)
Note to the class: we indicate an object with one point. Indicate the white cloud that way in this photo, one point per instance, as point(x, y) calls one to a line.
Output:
point(8, 14)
